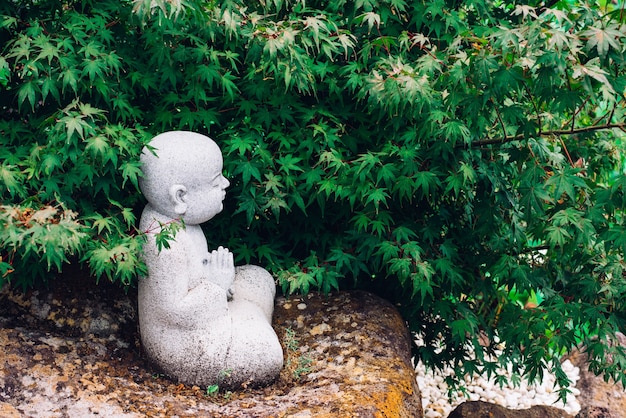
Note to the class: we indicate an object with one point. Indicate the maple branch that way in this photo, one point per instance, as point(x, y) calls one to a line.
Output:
point(557, 132)
point(111, 24)
point(609, 114)
point(612, 112)
point(547, 6)
point(534, 103)
point(580, 108)
point(504, 137)
point(569, 157)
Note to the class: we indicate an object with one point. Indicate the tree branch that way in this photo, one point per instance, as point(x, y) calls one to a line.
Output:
point(556, 132)
point(504, 137)
point(547, 6)
point(532, 100)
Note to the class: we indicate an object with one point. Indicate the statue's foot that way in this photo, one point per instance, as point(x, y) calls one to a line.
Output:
point(255, 356)
point(254, 285)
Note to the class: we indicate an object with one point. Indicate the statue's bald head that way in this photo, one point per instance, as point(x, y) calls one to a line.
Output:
point(177, 157)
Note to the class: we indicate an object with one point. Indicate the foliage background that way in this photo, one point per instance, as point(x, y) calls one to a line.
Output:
point(464, 158)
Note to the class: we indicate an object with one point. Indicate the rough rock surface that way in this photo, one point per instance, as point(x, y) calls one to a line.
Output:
point(73, 350)
point(597, 397)
point(598, 412)
point(479, 409)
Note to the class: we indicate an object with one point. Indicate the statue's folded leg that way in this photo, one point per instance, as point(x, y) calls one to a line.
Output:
point(255, 355)
point(255, 285)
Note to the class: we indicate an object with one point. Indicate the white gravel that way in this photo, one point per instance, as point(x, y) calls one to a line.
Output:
point(436, 403)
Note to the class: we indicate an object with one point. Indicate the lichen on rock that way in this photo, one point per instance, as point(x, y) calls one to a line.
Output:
point(350, 357)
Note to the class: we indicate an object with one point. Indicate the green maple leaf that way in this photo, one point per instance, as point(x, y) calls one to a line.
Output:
point(97, 145)
point(49, 86)
point(70, 78)
point(93, 68)
point(48, 51)
point(289, 163)
point(566, 182)
point(28, 92)
point(248, 171)
point(557, 236)
point(426, 181)
point(617, 234)
point(603, 39)
point(100, 223)
point(131, 170)
point(50, 162)
point(377, 196)
point(74, 124)
point(534, 197)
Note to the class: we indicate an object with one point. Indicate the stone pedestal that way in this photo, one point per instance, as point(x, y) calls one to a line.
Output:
point(74, 350)
point(358, 351)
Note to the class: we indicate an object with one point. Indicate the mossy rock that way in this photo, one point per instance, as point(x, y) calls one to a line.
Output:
point(74, 349)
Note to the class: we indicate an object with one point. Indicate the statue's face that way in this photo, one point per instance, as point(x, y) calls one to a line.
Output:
point(184, 178)
point(206, 197)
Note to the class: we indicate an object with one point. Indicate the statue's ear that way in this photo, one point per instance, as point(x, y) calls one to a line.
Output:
point(178, 197)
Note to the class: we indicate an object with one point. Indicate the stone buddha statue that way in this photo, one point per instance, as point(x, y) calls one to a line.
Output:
point(202, 320)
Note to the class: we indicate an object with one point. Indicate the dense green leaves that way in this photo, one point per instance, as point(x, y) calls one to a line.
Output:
point(459, 156)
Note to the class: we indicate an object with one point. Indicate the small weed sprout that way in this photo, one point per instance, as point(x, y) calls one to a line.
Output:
point(291, 342)
point(297, 363)
point(303, 367)
point(213, 389)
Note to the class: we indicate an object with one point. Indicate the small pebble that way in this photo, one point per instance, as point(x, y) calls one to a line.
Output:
point(302, 306)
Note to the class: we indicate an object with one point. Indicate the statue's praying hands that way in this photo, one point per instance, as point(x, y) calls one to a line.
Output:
point(220, 269)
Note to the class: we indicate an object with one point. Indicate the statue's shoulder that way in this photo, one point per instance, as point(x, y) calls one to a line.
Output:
point(169, 235)
point(149, 221)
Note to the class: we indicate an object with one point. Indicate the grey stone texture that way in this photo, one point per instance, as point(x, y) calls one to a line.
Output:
point(202, 321)
point(346, 355)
